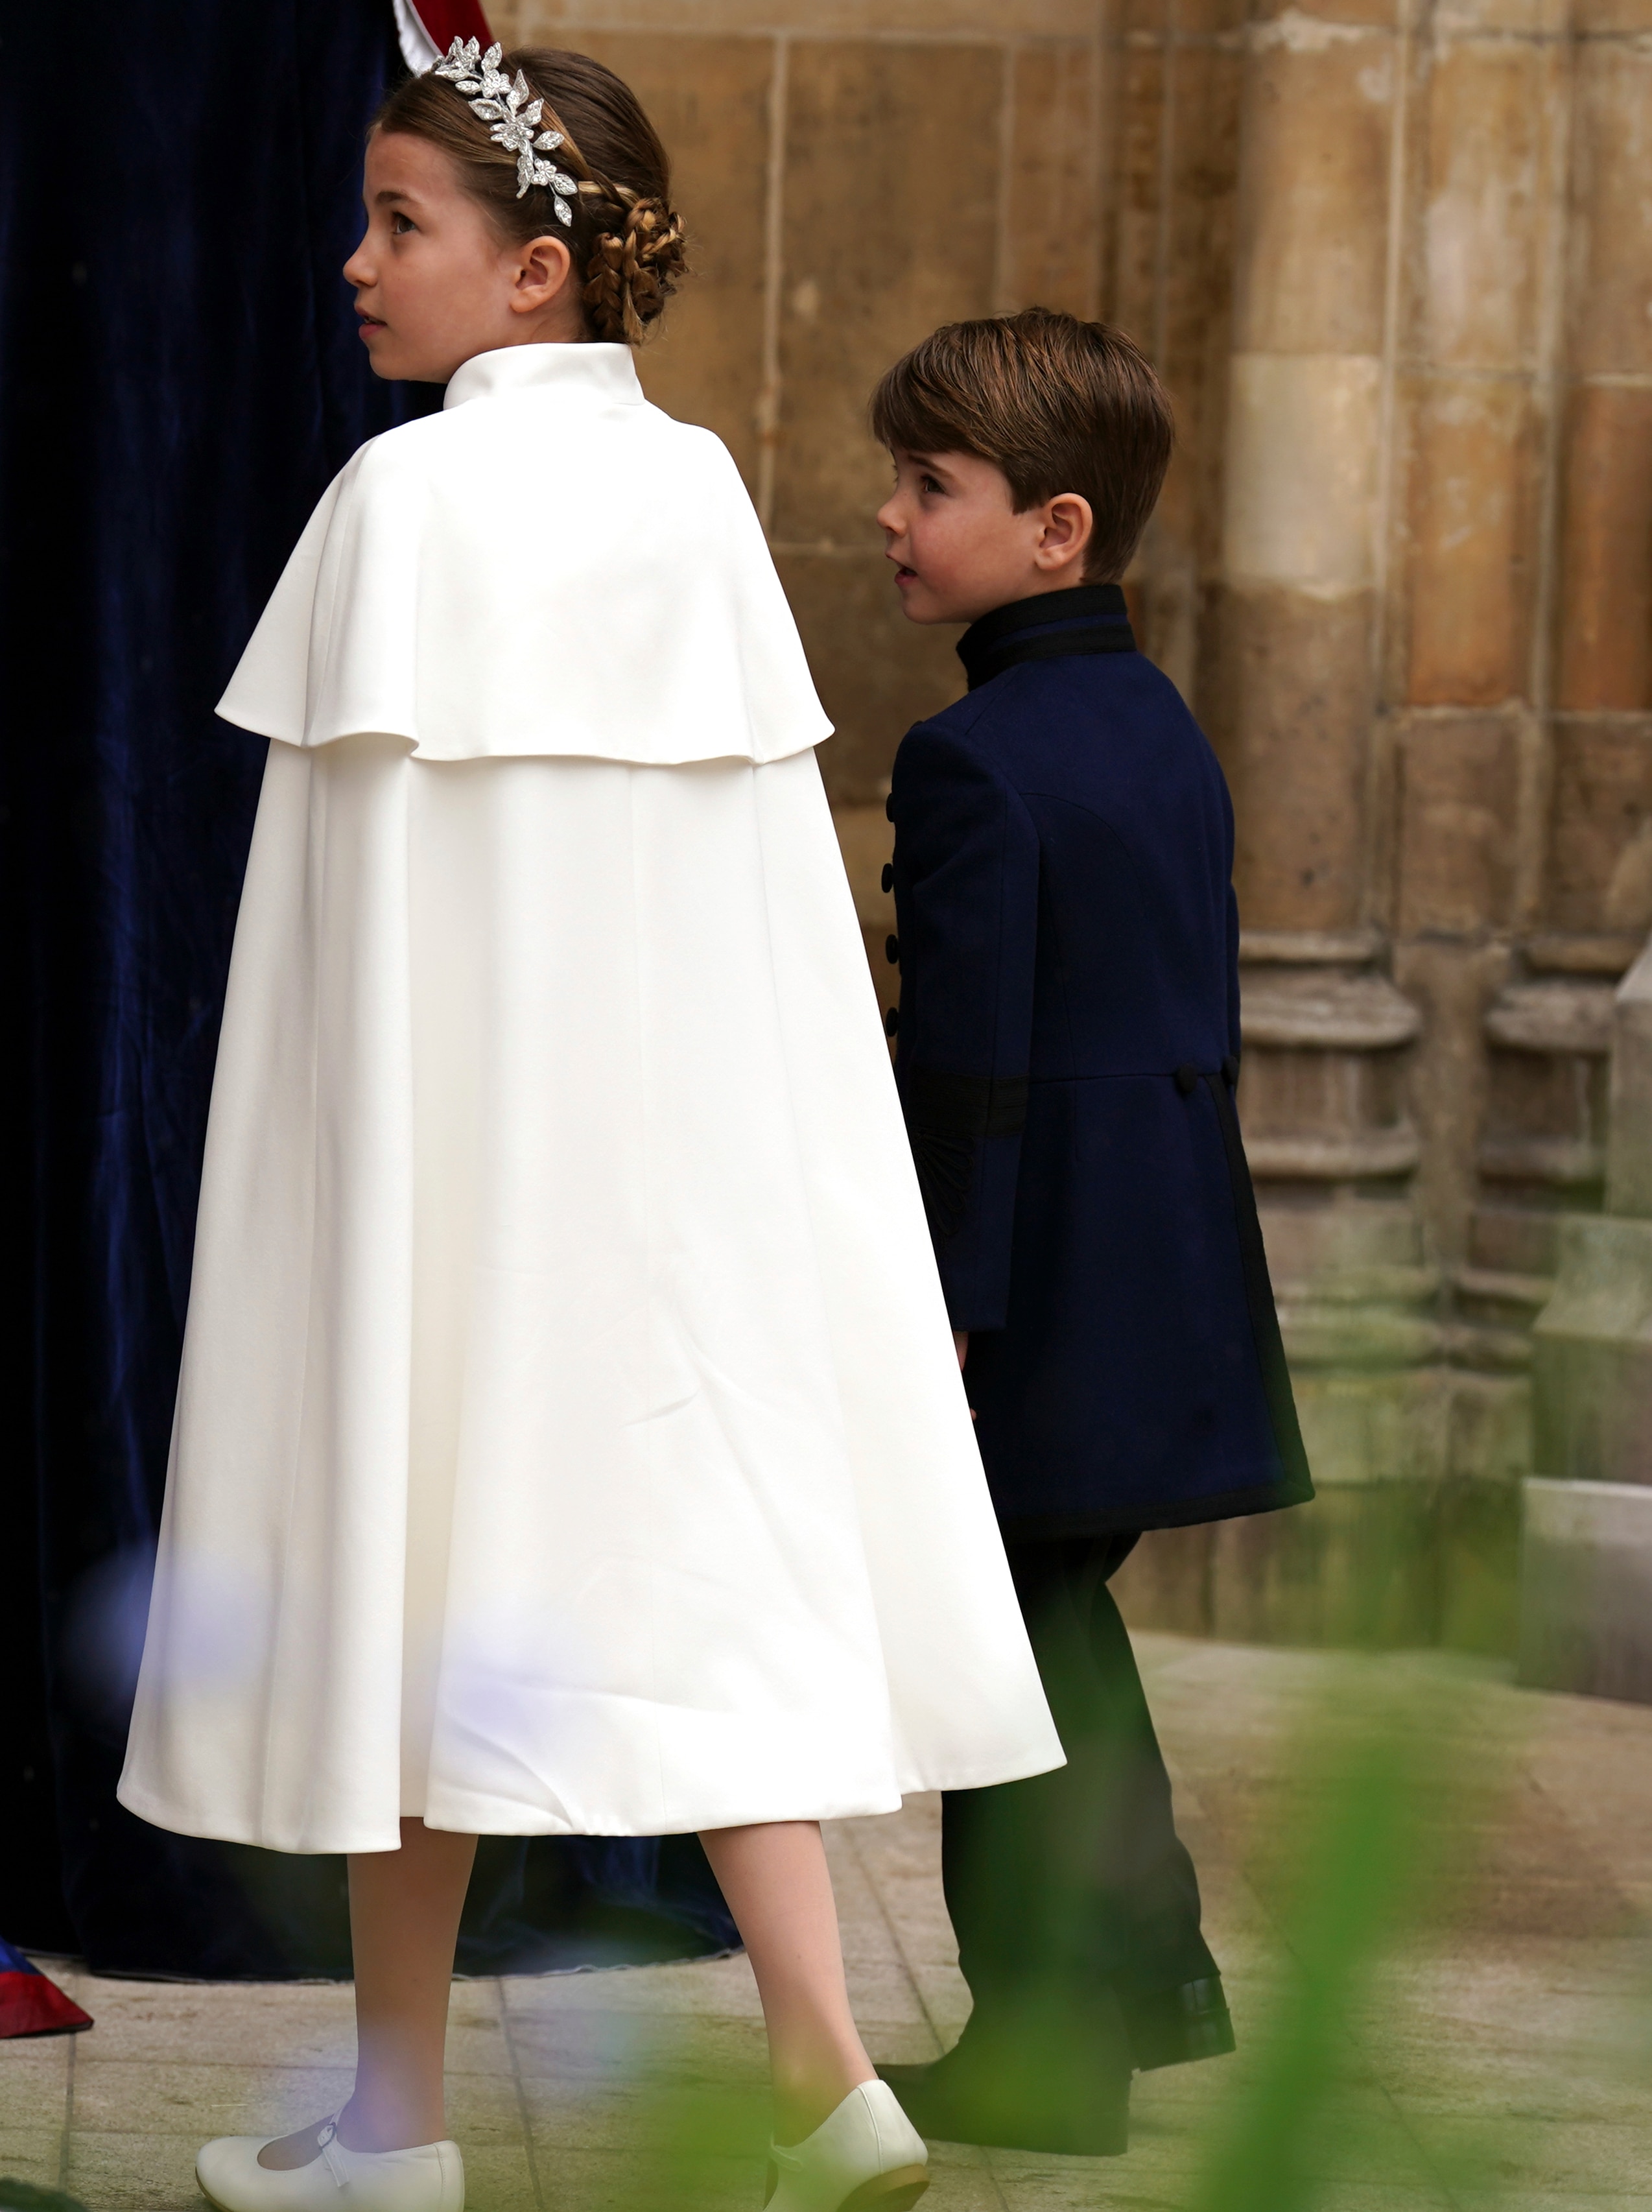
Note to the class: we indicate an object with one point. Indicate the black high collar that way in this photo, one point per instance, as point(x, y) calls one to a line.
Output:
point(1089, 618)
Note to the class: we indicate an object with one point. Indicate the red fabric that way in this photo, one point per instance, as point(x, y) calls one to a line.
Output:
point(447, 20)
point(31, 2005)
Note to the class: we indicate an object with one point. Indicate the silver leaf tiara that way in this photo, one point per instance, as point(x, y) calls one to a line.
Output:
point(513, 112)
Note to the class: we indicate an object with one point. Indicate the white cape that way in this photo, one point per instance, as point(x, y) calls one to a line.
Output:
point(568, 1438)
point(551, 565)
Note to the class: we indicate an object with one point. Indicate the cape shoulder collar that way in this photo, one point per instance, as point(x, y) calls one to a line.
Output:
point(1089, 618)
point(606, 374)
point(565, 571)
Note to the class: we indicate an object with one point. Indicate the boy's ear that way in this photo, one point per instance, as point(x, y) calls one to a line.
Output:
point(1068, 524)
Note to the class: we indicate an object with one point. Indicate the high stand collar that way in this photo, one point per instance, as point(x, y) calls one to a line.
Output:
point(1089, 618)
point(599, 371)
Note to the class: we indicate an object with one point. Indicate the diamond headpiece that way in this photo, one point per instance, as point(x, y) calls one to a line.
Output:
point(513, 112)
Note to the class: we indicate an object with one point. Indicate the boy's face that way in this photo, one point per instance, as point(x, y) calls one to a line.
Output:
point(960, 549)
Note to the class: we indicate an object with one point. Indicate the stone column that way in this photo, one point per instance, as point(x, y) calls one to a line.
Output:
point(1502, 1085)
point(1586, 1582)
point(1593, 894)
point(1171, 138)
point(1290, 689)
point(1586, 1574)
point(1562, 104)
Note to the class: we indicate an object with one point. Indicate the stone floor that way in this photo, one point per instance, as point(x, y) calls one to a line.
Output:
point(1490, 2017)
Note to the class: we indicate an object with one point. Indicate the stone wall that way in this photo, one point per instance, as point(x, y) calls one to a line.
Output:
point(1394, 264)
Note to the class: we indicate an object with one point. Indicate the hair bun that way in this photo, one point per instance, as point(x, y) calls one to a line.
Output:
point(633, 271)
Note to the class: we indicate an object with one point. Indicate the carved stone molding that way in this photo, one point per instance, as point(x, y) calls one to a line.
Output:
point(1552, 1018)
point(1323, 948)
point(1332, 1151)
point(1326, 1012)
point(1363, 1156)
point(1321, 1097)
point(1542, 1157)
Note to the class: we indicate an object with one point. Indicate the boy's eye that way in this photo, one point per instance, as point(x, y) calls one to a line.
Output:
point(926, 483)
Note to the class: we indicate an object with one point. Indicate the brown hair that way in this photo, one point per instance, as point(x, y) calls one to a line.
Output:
point(1056, 404)
point(627, 240)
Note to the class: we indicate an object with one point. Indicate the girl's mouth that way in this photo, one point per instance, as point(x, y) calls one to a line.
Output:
point(370, 325)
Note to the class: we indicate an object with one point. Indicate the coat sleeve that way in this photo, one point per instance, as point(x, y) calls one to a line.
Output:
point(966, 885)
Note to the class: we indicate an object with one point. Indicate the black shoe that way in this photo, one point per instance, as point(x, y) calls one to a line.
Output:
point(955, 2101)
point(1172, 2028)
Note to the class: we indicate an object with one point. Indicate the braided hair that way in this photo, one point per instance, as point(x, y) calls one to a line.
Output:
point(626, 239)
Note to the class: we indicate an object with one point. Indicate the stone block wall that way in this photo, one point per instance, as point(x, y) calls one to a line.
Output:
point(853, 174)
point(1395, 261)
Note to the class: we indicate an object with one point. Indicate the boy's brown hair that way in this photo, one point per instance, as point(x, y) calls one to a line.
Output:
point(1056, 404)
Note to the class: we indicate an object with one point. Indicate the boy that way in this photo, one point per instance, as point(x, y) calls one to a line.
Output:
point(1068, 1044)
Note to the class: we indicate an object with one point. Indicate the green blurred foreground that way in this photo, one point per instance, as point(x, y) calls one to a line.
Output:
point(1380, 1821)
point(1426, 1889)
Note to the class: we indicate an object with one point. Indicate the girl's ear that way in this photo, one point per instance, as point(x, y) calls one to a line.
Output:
point(543, 271)
point(1068, 523)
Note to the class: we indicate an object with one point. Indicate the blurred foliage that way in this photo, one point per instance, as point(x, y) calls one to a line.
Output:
point(1384, 1794)
point(1356, 1882)
point(1401, 1847)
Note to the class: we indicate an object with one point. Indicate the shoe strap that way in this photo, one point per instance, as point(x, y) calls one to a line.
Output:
point(327, 2137)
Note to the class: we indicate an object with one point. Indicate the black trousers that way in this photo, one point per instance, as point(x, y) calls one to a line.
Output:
point(1075, 1903)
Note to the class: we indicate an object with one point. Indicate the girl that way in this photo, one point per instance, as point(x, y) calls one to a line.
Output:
point(568, 1437)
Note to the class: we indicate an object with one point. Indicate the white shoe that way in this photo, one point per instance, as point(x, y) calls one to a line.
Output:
point(427, 2178)
point(866, 2157)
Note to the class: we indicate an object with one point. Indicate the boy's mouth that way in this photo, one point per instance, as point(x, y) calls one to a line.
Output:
point(905, 575)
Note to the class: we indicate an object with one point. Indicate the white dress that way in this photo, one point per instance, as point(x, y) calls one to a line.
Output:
point(568, 1437)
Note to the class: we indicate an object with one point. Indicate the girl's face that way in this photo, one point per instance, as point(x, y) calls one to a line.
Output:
point(433, 283)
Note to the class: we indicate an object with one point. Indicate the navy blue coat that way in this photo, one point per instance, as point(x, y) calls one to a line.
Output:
point(1068, 1045)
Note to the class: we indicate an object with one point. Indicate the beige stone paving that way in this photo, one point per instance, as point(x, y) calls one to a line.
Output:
point(1502, 2062)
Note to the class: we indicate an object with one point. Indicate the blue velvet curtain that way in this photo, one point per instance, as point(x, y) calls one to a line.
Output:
point(179, 377)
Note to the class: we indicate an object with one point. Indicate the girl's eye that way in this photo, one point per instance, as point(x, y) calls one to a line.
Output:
point(400, 225)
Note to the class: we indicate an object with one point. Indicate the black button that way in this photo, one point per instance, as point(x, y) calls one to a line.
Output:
point(1187, 1079)
point(892, 951)
point(1230, 1069)
point(888, 875)
point(889, 807)
point(891, 1021)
